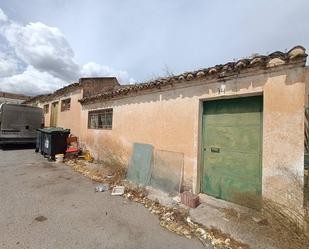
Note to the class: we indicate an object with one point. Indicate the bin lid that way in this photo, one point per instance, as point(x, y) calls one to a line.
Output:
point(54, 130)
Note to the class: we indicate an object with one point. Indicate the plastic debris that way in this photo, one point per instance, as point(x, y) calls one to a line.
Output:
point(102, 188)
point(118, 190)
point(88, 156)
point(59, 158)
point(177, 199)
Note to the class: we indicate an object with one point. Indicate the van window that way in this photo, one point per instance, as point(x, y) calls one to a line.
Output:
point(65, 104)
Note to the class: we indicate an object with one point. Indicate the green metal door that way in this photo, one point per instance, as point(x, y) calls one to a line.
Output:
point(232, 142)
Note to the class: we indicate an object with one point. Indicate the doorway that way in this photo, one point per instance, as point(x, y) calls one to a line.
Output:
point(54, 114)
point(232, 148)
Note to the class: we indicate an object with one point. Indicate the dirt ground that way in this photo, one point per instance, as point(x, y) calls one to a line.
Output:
point(46, 205)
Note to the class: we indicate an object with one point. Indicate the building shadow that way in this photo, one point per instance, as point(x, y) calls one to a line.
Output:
point(8, 147)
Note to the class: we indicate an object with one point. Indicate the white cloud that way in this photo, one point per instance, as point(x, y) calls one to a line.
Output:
point(43, 47)
point(48, 57)
point(3, 17)
point(8, 64)
point(30, 82)
point(93, 69)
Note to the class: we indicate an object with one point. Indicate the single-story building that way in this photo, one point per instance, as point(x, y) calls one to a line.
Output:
point(239, 126)
point(62, 108)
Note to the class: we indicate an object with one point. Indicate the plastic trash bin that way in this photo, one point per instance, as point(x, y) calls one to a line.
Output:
point(54, 141)
point(38, 144)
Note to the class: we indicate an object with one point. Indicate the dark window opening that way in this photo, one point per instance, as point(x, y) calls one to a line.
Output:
point(65, 104)
point(46, 108)
point(100, 119)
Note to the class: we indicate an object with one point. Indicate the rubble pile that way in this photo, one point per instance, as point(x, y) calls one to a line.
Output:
point(174, 219)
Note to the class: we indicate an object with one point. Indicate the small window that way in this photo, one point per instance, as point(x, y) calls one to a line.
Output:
point(100, 119)
point(65, 105)
point(46, 108)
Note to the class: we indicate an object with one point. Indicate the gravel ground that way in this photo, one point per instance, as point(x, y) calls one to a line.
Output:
point(46, 205)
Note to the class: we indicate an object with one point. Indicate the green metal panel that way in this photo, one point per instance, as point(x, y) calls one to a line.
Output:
point(232, 142)
point(139, 170)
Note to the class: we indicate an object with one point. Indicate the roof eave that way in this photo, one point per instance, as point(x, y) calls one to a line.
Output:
point(275, 61)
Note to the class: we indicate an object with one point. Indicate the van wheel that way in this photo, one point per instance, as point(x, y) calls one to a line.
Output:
point(36, 150)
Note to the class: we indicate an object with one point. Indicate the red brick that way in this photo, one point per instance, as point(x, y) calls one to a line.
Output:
point(189, 199)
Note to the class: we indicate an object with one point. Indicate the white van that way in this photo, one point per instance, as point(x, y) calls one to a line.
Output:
point(18, 123)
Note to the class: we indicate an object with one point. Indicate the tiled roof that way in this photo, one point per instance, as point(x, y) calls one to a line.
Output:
point(33, 99)
point(295, 55)
point(72, 87)
point(47, 97)
point(67, 88)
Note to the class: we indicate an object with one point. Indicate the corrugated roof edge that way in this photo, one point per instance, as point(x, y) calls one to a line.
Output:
point(295, 55)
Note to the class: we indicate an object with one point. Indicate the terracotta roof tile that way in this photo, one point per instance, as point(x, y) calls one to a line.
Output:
point(277, 58)
point(49, 96)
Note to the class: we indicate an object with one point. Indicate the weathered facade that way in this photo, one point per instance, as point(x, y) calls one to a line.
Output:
point(239, 126)
point(62, 108)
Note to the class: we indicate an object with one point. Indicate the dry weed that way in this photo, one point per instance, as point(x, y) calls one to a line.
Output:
point(287, 231)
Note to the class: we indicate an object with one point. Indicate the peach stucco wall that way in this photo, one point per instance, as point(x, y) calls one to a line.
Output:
point(307, 86)
point(171, 120)
point(283, 138)
point(69, 119)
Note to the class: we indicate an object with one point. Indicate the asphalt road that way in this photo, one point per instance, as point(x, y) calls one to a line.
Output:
point(46, 205)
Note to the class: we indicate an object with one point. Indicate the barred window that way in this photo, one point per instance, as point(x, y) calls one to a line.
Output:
point(100, 119)
point(46, 108)
point(65, 104)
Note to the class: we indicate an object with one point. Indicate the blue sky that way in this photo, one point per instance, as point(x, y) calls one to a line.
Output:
point(45, 44)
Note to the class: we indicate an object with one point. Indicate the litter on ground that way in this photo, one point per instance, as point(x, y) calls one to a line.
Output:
point(175, 219)
point(101, 188)
point(118, 190)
